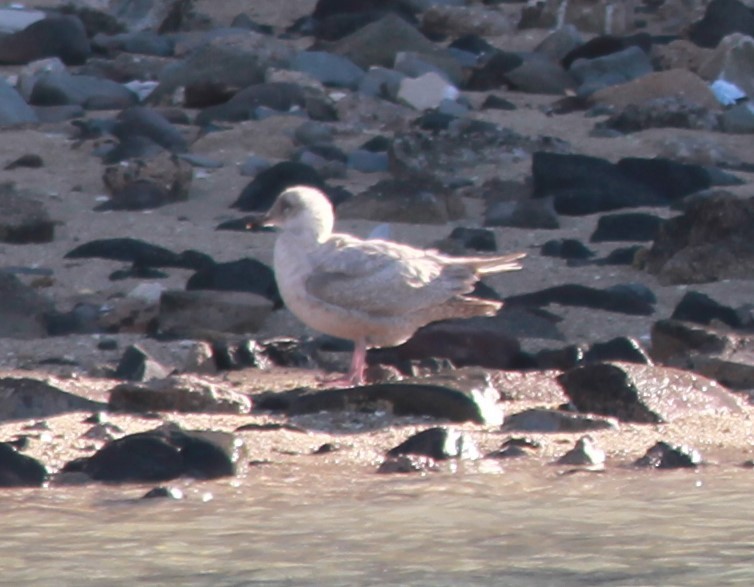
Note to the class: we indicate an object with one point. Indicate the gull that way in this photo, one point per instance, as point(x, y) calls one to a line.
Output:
point(374, 292)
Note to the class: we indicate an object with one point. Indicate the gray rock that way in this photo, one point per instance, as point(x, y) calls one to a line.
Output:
point(13, 109)
point(560, 42)
point(610, 70)
point(137, 364)
point(253, 165)
point(524, 213)
point(329, 69)
point(426, 92)
point(644, 393)
point(379, 42)
point(313, 133)
point(58, 89)
point(24, 311)
point(544, 420)
point(24, 219)
point(196, 313)
point(417, 64)
point(25, 399)
point(232, 66)
point(738, 119)
point(141, 15)
point(538, 74)
point(184, 394)
point(584, 454)
point(367, 161)
point(147, 122)
point(380, 82)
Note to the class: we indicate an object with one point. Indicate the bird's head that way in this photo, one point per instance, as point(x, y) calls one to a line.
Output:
point(302, 210)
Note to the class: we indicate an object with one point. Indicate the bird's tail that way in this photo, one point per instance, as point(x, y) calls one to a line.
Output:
point(485, 265)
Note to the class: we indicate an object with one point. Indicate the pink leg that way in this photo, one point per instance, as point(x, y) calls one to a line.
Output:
point(355, 375)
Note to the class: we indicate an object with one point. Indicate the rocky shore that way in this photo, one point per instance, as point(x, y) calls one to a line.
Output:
point(142, 336)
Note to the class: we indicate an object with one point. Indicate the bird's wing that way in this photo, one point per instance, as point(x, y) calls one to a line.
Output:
point(383, 278)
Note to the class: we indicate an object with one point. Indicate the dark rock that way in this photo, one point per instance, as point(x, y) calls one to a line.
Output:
point(472, 43)
point(264, 189)
point(163, 492)
point(475, 404)
point(562, 359)
point(543, 420)
point(493, 102)
point(611, 70)
point(24, 309)
point(13, 109)
point(523, 213)
point(408, 464)
point(412, 199)
point(60, 89)
point(584, 185)
point(24, 219)
point(631, 226)
point(719, 355)
point(140, 253)
point(137, 364)
point(663, 455)
point(245, 275)
point(672, 339)
point(26, 398)
point(671, 179)
point(566, 248)
point(169, 175)
point(621, 348)
point(164, 454)
point(54, 36)
point(177, 394)
point(538, 74)
point(625, 302)
point(438, 443)
point(472, 341)
point(514, 448)
point(643, 393)
point(603, 45)
point(662, 112)
point(207, 314)
point(17, 470)
point(701, 309)
point(474, 239)
point(29, 160)
point(722, 18)
point(708, 242)
point(621, 256)
point(491, 73)
point(141, 194)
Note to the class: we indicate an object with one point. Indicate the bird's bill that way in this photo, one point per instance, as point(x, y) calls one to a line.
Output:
point(259, 220)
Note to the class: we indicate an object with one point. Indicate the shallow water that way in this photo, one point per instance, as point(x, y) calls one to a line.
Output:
point(295, 528)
